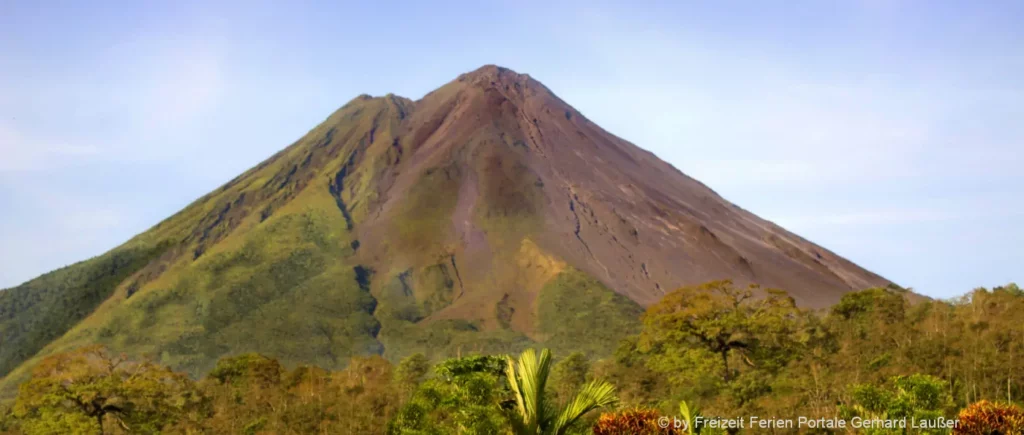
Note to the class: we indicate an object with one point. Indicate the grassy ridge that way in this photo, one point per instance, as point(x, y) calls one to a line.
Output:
point(283, 292)
point(43, 309)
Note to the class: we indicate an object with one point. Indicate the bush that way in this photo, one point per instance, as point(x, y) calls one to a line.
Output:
point(988, 418)
point(633, 421)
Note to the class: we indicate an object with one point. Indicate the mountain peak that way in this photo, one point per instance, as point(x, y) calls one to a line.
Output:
point(479, 215)
point(491, 70)
point(494, 75)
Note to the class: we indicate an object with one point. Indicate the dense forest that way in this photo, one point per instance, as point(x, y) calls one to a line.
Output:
point(704, 354)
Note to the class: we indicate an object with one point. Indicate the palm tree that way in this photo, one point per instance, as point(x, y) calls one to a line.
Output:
point(533, 414)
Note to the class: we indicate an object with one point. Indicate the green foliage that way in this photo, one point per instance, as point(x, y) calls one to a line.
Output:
point(600, 318)
point(884, 304)
point(7, 423)
point(875, 353)
point(916, 397)
point(91, 390)
point(690, 417)
point(443, 338)
point(280, 293)
point(464, 397)
point(715, 338)
point(637, 384)
point(533, 412)
point(415, 293)
point(454, 368)
point(39, 311)
point(249, 369)
point(252, 394)
point(576, 313)
point(873, 356)
point(411, 371)
point(590, 397)
point(569, 374)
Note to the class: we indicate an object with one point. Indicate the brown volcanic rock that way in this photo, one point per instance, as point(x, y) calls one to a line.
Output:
point(607, 207)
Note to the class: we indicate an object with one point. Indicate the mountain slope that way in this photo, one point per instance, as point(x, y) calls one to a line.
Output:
point(488, 215)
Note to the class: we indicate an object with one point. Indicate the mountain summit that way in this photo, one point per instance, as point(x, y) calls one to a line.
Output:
point(488, 215)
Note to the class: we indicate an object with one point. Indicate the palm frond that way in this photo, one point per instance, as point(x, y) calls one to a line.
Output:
point(527, 378)
point(516, 386)
point(688, 416)
point(596, 394)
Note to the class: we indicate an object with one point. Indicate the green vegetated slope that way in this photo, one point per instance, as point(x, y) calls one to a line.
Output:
point(41, 310)
point(578, 313)
point(285, 290)
point(273, 262)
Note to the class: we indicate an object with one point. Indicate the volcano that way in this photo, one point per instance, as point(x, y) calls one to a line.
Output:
point(487, 216)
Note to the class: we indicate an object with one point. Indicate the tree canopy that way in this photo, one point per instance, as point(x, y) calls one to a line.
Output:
point(723, 349)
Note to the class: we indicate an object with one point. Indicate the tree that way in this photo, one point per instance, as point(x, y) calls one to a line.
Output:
point(569, 374)
point(636, 384)
point(254, 394)
point(245, 390)
point(716, 338)
point(411, 371)
point(84, 390)
point(916, 397)
point(724, 321)
point(249, 369)
point(871, 328)
point(464, 396)
point(533, 413)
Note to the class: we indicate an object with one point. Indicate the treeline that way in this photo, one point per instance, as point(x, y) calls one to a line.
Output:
point(716, 349)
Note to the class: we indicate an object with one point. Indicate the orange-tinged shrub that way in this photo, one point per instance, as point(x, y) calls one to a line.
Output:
point(987, 418)
point(630, 422)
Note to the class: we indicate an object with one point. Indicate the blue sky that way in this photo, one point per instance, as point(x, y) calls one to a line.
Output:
point(889, 131)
